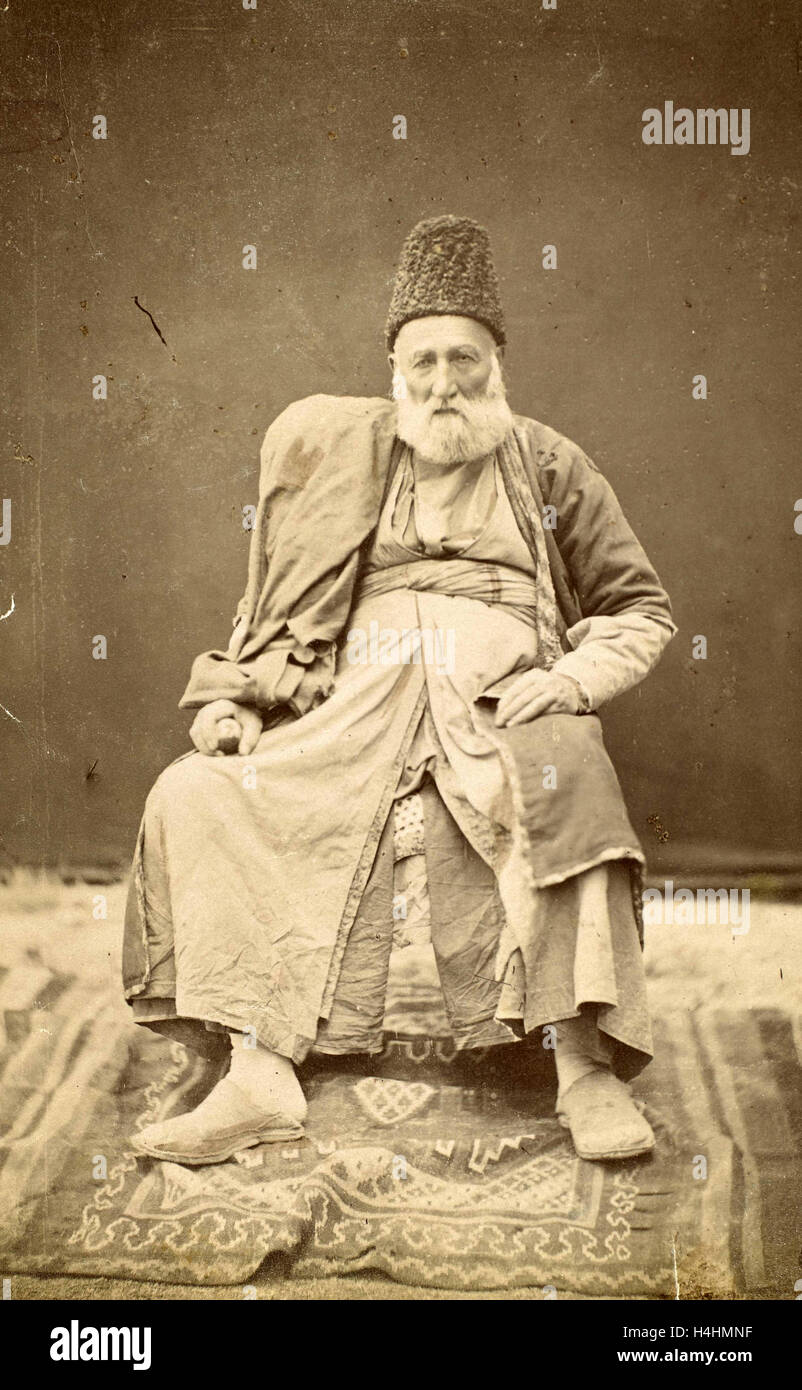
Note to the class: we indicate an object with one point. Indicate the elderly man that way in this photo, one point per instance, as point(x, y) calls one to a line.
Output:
point(400, 744)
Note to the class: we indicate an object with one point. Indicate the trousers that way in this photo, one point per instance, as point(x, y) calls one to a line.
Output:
point(466, 919)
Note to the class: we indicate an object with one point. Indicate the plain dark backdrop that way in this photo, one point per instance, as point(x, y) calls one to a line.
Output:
point(274, 127)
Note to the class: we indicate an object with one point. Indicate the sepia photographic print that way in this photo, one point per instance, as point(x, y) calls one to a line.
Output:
point(400, 862)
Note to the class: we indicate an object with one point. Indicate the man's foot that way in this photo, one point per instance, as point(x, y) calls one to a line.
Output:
point(604, 1121)
point(266, 1078)
point(225, 1122)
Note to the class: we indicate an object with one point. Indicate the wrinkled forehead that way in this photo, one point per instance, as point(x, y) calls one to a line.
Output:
point(443, 333)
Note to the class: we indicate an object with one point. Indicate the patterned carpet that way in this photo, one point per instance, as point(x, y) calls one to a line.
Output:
point(431, 1168)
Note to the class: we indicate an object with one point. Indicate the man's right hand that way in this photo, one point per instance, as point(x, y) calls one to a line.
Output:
point(224, 727)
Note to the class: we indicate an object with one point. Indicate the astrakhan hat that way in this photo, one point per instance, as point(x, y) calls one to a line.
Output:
point(446, 267)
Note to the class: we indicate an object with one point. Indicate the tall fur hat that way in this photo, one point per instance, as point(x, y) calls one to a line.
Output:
point(446, 267)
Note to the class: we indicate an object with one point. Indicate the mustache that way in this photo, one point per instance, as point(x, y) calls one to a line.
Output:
point(459, 428)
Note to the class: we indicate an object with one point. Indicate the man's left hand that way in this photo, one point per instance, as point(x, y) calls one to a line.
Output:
point(535, 693)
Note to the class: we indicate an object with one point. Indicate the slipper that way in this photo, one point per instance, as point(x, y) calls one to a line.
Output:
point(604, 1121)
point(225, 1122)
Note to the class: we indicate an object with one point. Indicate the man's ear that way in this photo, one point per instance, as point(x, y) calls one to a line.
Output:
point(500, 352)
point(391, 360)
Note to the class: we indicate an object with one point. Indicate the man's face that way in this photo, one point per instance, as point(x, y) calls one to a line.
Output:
point(444, 357)
point(448, 385)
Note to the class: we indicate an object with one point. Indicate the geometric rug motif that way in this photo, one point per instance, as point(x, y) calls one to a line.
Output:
point(433, 1166)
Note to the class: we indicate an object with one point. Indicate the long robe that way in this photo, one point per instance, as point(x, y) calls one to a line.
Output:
point(253, 871)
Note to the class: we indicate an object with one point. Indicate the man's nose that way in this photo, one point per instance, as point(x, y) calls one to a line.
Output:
point(444, 385)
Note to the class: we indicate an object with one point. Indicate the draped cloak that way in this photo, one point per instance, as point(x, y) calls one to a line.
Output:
point(327, 465)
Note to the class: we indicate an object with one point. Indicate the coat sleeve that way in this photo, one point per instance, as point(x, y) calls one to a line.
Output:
point(290, 672)
point(626, 619)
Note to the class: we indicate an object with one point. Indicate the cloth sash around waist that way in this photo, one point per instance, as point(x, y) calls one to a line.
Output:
point(489, 583)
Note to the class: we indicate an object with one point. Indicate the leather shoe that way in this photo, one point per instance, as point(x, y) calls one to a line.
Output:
point(223, 1124)
point(604, 1121)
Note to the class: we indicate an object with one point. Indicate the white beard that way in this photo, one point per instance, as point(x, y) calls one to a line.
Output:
point(483, 422)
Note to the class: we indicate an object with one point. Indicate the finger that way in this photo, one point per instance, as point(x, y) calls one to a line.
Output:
point(200, 735)
point(215, 734)
point(537, 705)
point(526, 686)
point(249, 739)
point(512, 706)
point(542, 704)
point(515, 700)
point(505, 704)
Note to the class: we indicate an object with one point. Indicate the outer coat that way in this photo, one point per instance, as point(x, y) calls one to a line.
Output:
point(326, 465)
